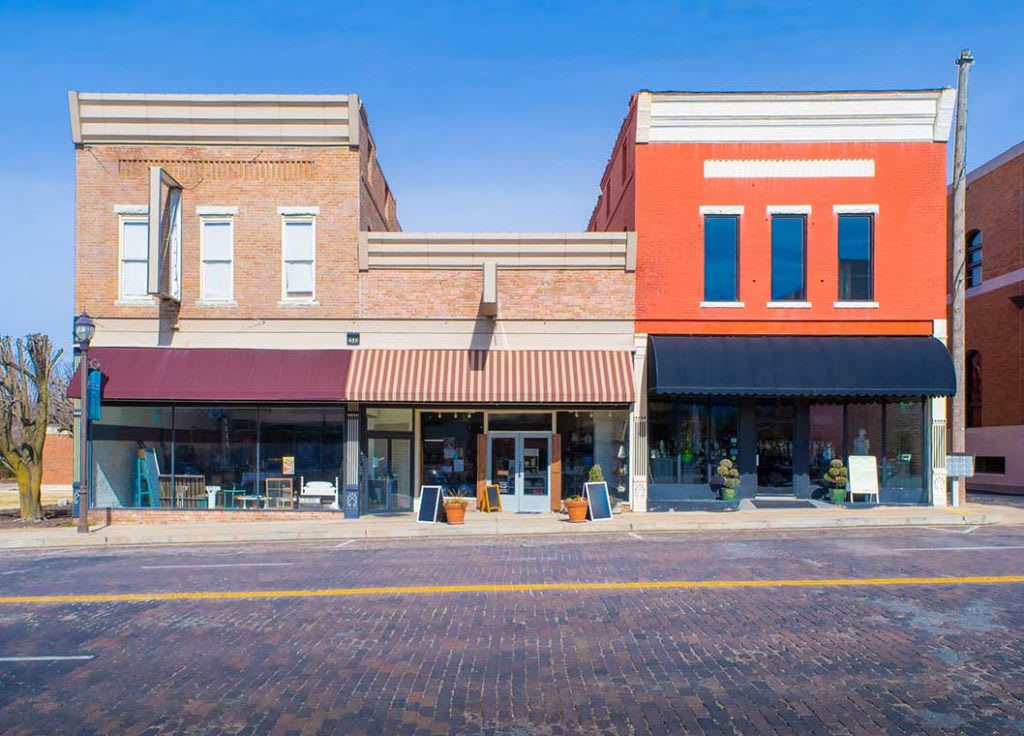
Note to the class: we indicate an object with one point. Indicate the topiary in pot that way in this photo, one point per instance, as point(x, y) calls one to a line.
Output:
point(730, 479)
point(595, 474)
point(837, 477)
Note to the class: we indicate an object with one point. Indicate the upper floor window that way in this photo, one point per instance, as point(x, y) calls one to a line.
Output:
point(856, 254)
point(217, 247)
point(973, 258)
point(135, 258)
point(789, 258)
point(299, 258)
point(721, 258)
point(973, 380)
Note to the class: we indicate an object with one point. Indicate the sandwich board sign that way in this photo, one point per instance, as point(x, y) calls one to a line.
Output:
point(491, 500)
point(863, 476)
point(431, 505)
point(599, 506)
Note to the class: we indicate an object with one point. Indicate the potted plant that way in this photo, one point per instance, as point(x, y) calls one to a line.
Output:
point(455, 508)
point(576, 505)
point(836, 477)
point(730, 479)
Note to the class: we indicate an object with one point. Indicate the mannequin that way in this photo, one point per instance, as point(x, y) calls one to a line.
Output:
point(861, 443)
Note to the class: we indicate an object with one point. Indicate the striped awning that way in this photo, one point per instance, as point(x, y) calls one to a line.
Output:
point(491, 376)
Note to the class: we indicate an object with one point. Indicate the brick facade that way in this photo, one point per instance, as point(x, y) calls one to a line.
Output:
point(995, 323)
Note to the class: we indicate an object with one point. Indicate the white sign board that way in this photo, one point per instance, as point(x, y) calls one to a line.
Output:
point(960, 465)
point(863, 476)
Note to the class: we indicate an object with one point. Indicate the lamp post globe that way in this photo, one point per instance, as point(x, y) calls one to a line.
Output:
point(85, 328)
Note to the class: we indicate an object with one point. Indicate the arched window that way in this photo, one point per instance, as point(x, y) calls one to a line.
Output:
point(973, 380)
point(973, 258)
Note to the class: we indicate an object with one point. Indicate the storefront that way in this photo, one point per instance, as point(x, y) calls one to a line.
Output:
point(214, 429)
point(782, 408)
point(535, 423)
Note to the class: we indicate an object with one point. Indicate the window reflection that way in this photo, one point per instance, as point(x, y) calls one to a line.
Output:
point(789, 234)
point(721, 263)
point(856, 233)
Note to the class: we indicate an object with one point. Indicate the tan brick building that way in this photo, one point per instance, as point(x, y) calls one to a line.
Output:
point(267, 334)
point(995, 320)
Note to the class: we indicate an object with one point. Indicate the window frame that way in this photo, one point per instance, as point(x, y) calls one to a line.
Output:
point(216, 218)
point(286, 219)
point(870, 298)
point(971, 248)
point(722, 213)
point(795, 213)
point(123, 218)
point(973, 390)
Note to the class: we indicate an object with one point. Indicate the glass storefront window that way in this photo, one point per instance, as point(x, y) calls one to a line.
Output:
point(826, 438)
point(903, 465)
point(449, 449)
point(388, 419)
point(677, 434)
point(218, 457)
point(214, 456)
point(125, 436)
point(864, 429)
point(298, 446)
point(595, 438)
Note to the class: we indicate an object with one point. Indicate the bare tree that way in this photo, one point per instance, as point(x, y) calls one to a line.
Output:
point(62, 408)
point(27, 368)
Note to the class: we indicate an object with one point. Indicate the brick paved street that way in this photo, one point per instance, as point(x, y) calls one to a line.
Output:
point(935, 658)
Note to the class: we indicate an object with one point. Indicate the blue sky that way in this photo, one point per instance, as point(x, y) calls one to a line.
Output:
point(488, 115)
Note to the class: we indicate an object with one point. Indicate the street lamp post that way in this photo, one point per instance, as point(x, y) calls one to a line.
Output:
point(85, 328)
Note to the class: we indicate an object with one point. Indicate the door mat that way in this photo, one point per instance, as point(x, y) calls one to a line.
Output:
point(781, 504)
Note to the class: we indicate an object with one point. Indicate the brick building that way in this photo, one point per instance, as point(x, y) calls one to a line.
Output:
point(267, 334)
point(995, 320)
point(790, 288)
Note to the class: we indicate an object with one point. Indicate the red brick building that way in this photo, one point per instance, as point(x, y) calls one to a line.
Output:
point(995, 320)
point(795, 242)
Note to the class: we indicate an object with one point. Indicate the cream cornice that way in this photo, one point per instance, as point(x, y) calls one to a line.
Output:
point(880, 116)
point(184, 119)
point(586, 250)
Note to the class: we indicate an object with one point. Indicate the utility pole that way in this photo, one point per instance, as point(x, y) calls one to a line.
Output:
point(957, 335)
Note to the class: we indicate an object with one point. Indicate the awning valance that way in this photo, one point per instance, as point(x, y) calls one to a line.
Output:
point(492, 376)
point(219, 374)
point(799, 366)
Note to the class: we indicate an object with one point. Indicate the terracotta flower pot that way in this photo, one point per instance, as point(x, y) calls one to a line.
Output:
point(455, 512)
point(577, 510)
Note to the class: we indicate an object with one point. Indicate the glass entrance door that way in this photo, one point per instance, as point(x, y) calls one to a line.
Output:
point(388, 474)
point(519, 462)
point(776, 420)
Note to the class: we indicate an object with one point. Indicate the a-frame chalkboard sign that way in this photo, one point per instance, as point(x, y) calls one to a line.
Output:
point(431, 505)
point(491, 500)
point(599, 506)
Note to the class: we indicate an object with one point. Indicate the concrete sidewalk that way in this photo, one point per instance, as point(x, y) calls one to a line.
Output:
point(485, 525)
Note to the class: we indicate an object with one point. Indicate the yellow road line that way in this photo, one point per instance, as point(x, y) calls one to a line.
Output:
point(506, 588)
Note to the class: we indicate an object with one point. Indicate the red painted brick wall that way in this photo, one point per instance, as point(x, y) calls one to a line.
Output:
point(910, 236)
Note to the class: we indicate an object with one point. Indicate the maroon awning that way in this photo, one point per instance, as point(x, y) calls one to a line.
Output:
point(219, 374)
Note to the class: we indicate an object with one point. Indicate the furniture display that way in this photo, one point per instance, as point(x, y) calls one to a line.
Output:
point(319, 493)
point(280, 493)
point(229, 496)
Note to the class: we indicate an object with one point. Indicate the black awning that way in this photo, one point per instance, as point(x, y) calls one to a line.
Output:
point(799, 366)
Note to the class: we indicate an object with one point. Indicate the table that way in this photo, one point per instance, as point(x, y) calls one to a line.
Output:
point(256, 500)
point(229, 495)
